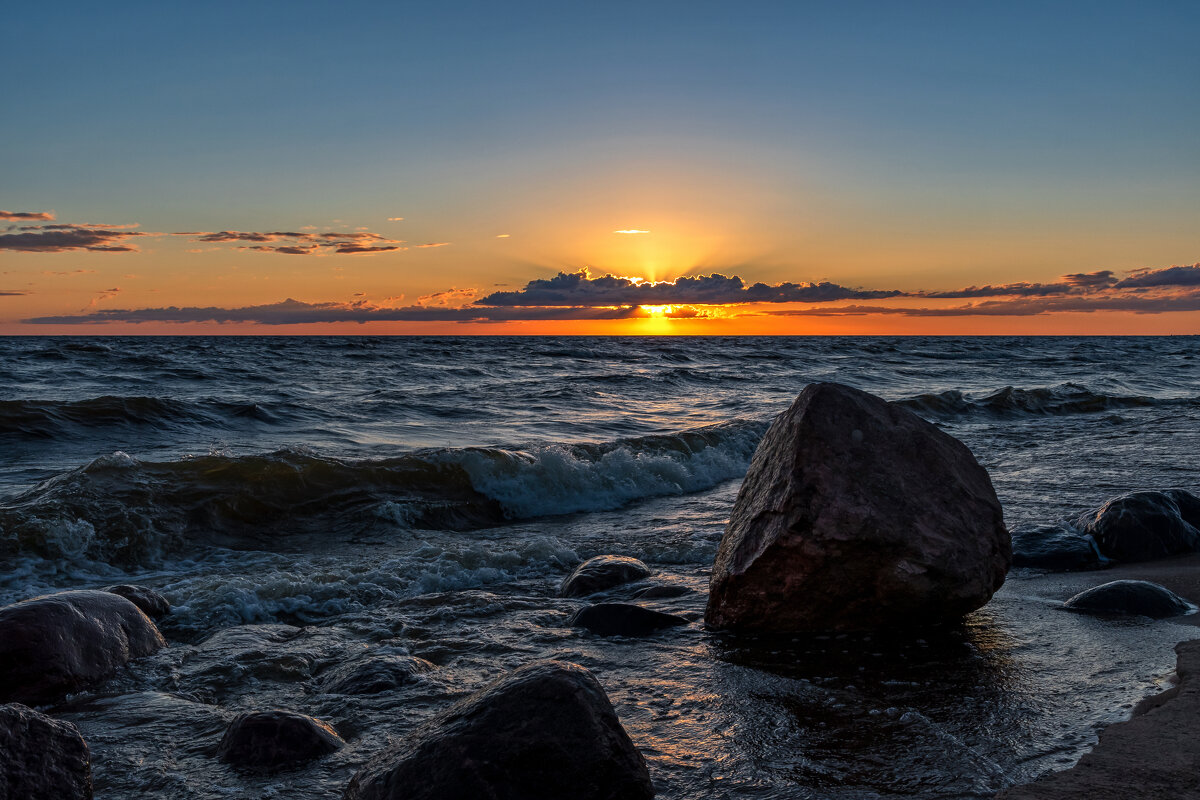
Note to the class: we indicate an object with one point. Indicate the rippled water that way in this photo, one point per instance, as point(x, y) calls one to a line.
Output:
point(303, 500)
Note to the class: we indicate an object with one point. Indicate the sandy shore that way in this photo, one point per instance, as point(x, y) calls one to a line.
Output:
point(1156, 753)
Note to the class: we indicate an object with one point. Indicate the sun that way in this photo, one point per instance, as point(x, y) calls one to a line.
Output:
point(657, 311)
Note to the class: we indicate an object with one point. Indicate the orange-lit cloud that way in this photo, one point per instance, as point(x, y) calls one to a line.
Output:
point(395, 219)
point(631, 231)
point(432, 244)
point(301, 243)
point(97, 237)
point(47, 216)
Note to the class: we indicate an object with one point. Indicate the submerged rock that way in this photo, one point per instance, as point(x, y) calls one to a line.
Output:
point(1143, 526)
point(663, 591)
point(623, 619)
point(374, 674)
point(1130, 597)
point(60, 643)
point(41, 757)
point(602, 572)
point(268, 740)
point(545, 731)
point(152, 604)
point(1061, 548)
point(856, 514)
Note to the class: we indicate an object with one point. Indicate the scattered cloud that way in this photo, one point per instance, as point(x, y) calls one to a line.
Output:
point(12, 293)
point(631, 231)
point(451, 298)
point(395, 219)
point(581, 289)
point(301, 242)
point(68, 272)
point(28, 215)
point(1171, 276)
point(62, 238)
point(432, 244)
point(503, 235)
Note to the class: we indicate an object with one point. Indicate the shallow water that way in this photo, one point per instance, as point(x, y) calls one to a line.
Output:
point(305, 501)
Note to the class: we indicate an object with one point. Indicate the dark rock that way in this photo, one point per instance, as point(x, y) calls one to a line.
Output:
point(1055, 547)
point(374, 674)
point(856, 514)
point(1129, 597)
point(41, 757)
point(60, 643)
point(152, 604)
point(267, 740)
point(663, 591)
point(1143, 526)
point(543, 732)
point(623, 619)
point(600, 573)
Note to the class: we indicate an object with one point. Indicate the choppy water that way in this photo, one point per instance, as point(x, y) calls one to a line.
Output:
point(426, 496)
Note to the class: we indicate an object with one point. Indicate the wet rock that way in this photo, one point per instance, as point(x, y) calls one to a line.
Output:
point(623, 619)
point(543, 732)
point(1143, 526)
point(41, 757)
point(1060, 548)
point(1129, 597)
point(600, 573)
point(60, 643)
point(856, 514)
point(268, 740)
point(662, 591)
point(374, 674)
point(152, 604)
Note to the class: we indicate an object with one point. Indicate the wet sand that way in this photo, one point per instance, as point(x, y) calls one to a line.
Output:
point(1156, 753)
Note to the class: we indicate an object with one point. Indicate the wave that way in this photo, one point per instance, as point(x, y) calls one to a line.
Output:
point(53, 418)
point(1068, 398)
point(120, 510)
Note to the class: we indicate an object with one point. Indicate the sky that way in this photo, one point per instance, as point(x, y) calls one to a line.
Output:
point(625, 168)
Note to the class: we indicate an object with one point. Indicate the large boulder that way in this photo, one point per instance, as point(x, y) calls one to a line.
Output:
point(600, 573)
point(60, 643)
point(268, 740)
point(1131, 598)
point(857, 515)
point(42, 757)
point(152, 604)
point(623, 619)
point(545, 731)
point(1143, 526)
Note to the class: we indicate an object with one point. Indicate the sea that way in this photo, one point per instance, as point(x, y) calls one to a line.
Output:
point(304, 501)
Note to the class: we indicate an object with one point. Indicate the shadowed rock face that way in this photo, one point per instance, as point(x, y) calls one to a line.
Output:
point(42, 757)
point(60, 643)
point(623, 619)
point(1143, 526)
point(1129, 597)
point(268, 740)
point(856, 514)
point(600, 573)
point(543, 732)
point(152, 604)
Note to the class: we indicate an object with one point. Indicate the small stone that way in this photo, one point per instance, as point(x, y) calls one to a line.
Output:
point(623, 619)
point(602, 572)
point(268, 740)
point(1130, 597)
point(152, 604)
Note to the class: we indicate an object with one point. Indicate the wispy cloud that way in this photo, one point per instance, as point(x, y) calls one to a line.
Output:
point(28, 216)
point(295, 312)
point(432, 244)
point(300, 243)
point(631, 231)
point(395, 219)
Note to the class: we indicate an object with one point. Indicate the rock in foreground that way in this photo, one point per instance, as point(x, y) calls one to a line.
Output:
point(1144, 526)
point(374, 674)
point(543, 732)
point(602, 572)
point(60, 643)
point(1129, 597)
point(42, 757)
point(267, 740)
point(856, 514)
